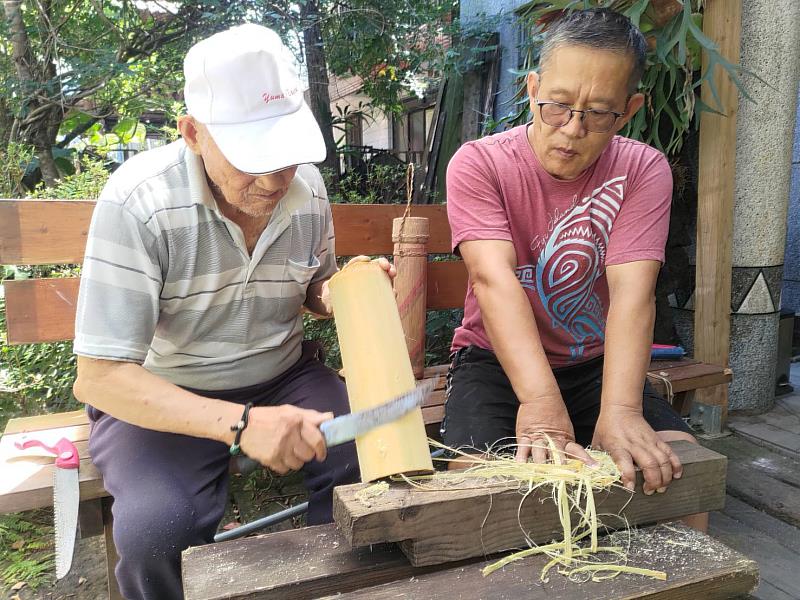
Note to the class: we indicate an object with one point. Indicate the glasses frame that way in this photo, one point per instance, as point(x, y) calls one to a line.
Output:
point(583, 114)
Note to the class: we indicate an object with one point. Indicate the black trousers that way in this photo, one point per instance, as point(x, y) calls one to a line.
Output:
point(170, 490)
point(481, 407)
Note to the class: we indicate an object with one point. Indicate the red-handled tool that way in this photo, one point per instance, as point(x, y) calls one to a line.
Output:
point(66, 497)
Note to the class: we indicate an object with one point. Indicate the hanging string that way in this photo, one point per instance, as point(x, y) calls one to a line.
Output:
point(407, 213)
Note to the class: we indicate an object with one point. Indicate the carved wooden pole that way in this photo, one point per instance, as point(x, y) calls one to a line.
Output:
point(410, 237)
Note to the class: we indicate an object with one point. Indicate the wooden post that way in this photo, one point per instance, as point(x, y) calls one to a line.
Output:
point(715, 201)
point(375, 360)
point(410, 237)
point(112, 558)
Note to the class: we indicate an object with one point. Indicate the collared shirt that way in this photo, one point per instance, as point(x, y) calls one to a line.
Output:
point(167, 281)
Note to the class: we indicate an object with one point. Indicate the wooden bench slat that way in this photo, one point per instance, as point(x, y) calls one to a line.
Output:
point(35, 232)
point(27, 475)
point(447, 284)
point(367, 228)
point(27, 484)
point(43, 310)
point(50, 421)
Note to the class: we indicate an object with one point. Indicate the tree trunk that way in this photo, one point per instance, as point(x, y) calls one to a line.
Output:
point(41, 133)
point(317, 65)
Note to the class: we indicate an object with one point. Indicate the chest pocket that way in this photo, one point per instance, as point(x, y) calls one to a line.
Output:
point(301, 240)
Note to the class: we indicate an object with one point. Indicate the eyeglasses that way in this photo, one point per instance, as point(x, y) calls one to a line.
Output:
point(559, 115)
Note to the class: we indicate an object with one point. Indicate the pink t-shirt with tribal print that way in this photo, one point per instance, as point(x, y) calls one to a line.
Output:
point(564, 232)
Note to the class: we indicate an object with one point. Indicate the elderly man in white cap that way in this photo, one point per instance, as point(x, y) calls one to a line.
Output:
point(200, 258)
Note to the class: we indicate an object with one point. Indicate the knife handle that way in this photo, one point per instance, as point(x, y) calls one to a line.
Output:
point(65, 451)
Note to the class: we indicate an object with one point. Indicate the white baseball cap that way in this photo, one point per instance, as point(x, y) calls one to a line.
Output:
point(243, 86)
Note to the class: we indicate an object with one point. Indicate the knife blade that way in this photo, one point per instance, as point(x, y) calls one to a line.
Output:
point(66, 498)
point(348, 427)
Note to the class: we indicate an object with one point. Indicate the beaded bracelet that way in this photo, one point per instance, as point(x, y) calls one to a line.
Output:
point(236, 448)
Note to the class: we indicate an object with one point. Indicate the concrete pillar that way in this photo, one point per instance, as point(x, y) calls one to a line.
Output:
point(790, 297)
point(770, 47)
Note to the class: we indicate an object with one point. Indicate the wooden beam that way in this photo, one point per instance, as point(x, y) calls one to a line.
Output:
point(36, 232)
point(697, 566)
point(315, 562)
point(300, 563)
point(715, 200)
point(436, 527)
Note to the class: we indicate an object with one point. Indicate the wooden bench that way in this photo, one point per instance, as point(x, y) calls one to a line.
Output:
point(43, 310)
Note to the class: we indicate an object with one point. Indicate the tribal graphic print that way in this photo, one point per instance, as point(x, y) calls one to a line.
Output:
point(571, 259)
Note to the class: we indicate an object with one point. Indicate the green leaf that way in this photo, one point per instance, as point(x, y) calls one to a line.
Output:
point(126, 129)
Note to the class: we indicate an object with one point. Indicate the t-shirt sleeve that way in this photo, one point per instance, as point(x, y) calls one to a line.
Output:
point(121, 281)
point(475, 206)
point(326, 244)
point(326, 250)
point(641, 228)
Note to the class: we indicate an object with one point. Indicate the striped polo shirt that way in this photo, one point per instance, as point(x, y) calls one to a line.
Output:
point(167, 281)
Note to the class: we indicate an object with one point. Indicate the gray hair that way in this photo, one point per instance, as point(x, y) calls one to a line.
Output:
point(600, 28)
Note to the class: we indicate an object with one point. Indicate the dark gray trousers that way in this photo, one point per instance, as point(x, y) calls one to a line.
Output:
point(170, 490)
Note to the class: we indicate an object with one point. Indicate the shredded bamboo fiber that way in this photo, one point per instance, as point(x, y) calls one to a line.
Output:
point(572, 485)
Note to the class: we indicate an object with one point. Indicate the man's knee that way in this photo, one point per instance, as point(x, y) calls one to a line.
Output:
point(150, 531)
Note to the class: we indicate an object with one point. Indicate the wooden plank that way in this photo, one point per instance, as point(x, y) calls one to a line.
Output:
point(764, 479)
point(90, 518)
point(690, 377)
point(777, 564)
point(27, 475)
point(41, 310)
point(315, 562)
point(300, 563)
point(696, 566)
point(112, 558)
point(54, 231)
point(715, 200)
point(452, 525)
point(26, 486)
point(447, 284)
point(775, 529)
point(778, 429)
point(34, 232)
point(50, 421)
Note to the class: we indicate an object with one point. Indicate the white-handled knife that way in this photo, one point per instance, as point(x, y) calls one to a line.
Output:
point(349, 427)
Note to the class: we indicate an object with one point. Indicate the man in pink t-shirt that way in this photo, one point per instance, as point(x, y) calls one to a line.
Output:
point(562, 225)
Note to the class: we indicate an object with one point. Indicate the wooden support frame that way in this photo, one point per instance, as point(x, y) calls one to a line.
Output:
point(315, 562)
point(715, 201)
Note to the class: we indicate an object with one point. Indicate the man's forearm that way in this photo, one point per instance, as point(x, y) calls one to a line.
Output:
point(509, 321)
point(315, 302)
point(629, 336)
point(130, 393)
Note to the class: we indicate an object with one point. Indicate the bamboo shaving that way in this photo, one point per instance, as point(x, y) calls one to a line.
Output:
point(368, 494)
point(572, 484)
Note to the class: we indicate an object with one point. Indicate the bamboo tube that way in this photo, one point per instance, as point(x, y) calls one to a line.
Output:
point(377, 369)
point(410, 237)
